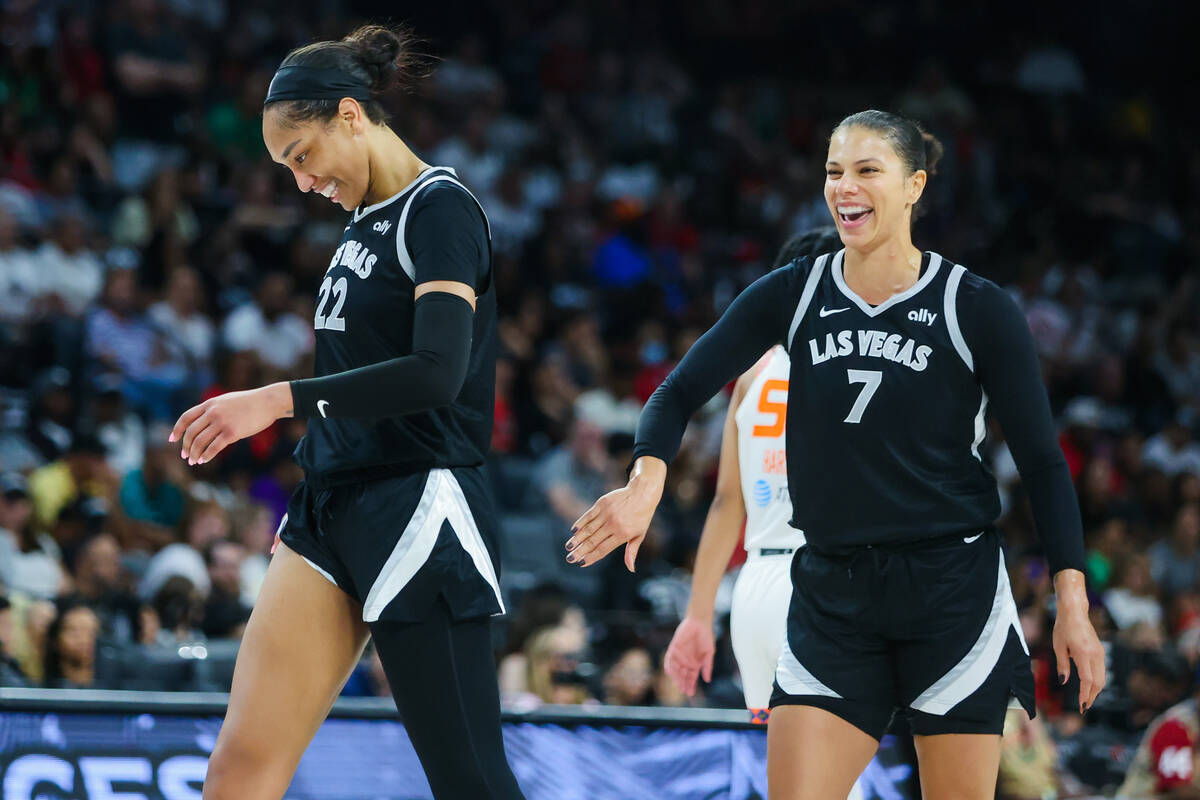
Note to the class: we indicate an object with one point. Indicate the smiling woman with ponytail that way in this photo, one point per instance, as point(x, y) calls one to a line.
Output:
point(392, 532)
point(900, 598)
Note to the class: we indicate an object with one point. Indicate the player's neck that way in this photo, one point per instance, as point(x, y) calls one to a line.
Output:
point(393, 166)
point(888, 269)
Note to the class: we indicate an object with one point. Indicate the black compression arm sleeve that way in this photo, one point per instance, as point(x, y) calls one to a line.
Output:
point(755, 321)
point(1007, 365)
point(428, 378)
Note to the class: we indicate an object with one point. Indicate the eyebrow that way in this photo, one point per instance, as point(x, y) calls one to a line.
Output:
point(836, 164)
point(288, 149)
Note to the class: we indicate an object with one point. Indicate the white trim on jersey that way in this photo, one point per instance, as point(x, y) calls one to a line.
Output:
point(950, 315)
point(965, 677)
point(359, 213)
point(406, 262)
point(935, 262)
point(794, 679)
point(980, 425)
point(810, 288)
point(442, 500)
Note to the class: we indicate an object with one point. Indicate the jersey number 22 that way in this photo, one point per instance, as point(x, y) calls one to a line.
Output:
point(335, 321)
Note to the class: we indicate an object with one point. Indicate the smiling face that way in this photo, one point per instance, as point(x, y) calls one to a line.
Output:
point(868, 189)
point(329, 158)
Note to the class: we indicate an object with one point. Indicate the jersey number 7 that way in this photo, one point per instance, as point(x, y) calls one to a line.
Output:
point(870, 378)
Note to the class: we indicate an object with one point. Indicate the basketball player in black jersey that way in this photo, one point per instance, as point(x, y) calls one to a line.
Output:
point(391, 534)
point(900, 599)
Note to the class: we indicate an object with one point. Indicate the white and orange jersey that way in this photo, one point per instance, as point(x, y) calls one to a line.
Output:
point(761, 421)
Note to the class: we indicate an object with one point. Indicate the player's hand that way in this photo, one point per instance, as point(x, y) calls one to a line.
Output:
point(1075, 639)
point(207, 429)
point(690, 654)
point(620, 517)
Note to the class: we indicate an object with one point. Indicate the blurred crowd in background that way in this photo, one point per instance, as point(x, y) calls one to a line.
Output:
point(640, 165)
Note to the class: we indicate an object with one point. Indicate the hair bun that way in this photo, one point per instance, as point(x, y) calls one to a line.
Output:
point(385, 53)
point(933, 152)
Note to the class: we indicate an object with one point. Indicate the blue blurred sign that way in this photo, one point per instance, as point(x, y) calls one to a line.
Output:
point(92, 756)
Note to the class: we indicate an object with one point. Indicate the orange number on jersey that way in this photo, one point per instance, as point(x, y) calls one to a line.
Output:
point(776, 407)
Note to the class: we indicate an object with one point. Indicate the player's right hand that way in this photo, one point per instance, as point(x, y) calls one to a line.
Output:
point(690, 654)
point(620, 517)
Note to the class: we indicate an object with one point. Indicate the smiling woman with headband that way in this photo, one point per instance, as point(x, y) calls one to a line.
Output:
point(392, 532)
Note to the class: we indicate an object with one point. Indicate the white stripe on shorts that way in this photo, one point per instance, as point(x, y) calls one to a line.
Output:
point(441, 500)
point(324, 574)
point(969, 674)
point(307, 560)
point(794, 679)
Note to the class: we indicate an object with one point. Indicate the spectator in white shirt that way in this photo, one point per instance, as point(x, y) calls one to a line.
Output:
point(475, 161)
point(19, 279)
point(189, 333)
point(1174, 450)
point(269, 328)
point(70, 274)
point(29, 562)
point(1134, 598)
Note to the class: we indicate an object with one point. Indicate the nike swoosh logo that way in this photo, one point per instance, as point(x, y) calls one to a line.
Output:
point(969, 539)
point(825, 312)
point(321, 406)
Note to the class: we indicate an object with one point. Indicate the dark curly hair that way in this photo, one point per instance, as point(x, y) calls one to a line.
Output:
point(384, 58)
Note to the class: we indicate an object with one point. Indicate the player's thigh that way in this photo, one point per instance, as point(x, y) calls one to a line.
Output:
point(958, 766)
point(304, 637)
point(813, 754)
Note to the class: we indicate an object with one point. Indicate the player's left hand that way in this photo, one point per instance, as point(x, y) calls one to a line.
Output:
point(1075, 640)
point(207, 429)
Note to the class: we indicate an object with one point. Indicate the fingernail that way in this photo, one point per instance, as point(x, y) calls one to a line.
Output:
point(200, 461)
point(571, 558)
point(1062, 679)
point(171, 438)
point(570, 545)
point(574, 529)
point(183, 453)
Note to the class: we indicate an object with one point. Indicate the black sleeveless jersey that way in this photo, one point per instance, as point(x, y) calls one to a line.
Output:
point(885, 412)
point(434, 229)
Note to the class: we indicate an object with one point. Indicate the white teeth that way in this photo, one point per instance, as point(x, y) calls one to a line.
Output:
point(329, 190)
point(848, 210)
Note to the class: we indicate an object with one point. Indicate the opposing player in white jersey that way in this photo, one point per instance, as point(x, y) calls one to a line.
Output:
point(752, 489)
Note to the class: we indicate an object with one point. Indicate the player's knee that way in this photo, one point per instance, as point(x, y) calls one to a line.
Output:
point(239, 773)
point(220, 781)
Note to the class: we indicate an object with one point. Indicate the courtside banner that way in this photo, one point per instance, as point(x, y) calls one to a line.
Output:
point(156, 755)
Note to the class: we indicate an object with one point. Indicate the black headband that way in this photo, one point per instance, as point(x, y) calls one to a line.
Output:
point(312, 83)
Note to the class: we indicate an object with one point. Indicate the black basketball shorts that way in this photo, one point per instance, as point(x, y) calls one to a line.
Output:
point(396, 543)
point(929, 630)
